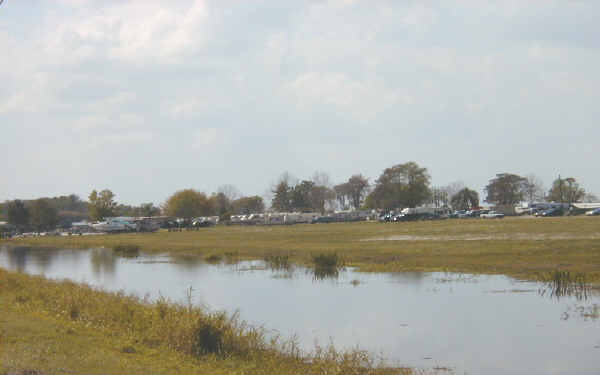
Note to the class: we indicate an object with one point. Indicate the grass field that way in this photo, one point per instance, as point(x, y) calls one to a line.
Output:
point(528, 248)
point(49, 327)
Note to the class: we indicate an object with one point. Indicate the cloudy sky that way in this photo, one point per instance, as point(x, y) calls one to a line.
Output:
point(148, 97)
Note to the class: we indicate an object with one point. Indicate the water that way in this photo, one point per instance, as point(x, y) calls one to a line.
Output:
point(470, 324)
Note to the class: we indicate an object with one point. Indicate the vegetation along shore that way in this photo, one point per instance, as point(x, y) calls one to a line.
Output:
point(526, 248)
point(50, 327)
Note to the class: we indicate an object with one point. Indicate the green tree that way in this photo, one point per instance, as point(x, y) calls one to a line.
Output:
point(248, 205)
point(356, 188)
point(42, 214)
point(506, 189)
point(403, 185)
point(188, 204)
point(17, 214)
point(566, 190)
point(148, 209)
point(282, 197)
point(466, 199)
point(301, 199)
point(102, 204)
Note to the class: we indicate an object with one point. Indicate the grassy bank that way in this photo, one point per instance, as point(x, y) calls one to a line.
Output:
point(49, 327)
point(522, 247)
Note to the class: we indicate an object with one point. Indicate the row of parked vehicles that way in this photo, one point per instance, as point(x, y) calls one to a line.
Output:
point(427, 213)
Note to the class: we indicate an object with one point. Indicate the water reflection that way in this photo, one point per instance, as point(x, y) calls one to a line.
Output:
point(414, 319)
point(103, 262)
point(566, 284)
point(20, 256)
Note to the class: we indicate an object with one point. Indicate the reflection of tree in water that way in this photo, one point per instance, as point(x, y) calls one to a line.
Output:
point(103, 262)
point(188, 262)
point(20, 256)
point(413, 278)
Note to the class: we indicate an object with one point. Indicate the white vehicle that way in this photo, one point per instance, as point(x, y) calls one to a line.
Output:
point(492, 215)
point(114, 225)
point(419, 211)
point(593, 212)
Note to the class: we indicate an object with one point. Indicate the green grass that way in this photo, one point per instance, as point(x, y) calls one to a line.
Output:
point(528, 248)
point(49, 327)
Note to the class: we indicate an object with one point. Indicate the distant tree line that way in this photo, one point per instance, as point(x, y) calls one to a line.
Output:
point(399, 186)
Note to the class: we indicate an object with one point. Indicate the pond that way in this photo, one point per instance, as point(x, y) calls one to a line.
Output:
point(465, 323)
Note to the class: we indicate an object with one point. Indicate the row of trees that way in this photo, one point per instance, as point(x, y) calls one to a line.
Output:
point(39, 214)
point(402, 185)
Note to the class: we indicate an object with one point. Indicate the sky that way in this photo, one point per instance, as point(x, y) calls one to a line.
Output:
point(149, 97)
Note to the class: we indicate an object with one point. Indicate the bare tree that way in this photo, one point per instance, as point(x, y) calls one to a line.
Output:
point(590, 198)
point(321, 178)
point(439, 196)
point(533, 188)
point(452, 188)
point(231, 192)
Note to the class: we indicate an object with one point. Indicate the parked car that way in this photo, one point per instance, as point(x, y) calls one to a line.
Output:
point(594, 212)
point(551, 212)
point(492, 215)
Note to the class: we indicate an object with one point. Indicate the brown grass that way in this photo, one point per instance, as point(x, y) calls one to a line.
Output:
point(522, 247)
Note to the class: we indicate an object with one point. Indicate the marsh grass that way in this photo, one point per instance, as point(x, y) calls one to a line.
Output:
point(517, 247)
point(326, 265)
point(566, 284)
point(278, 262)
point(127, 250)
point(213, 258)
point(190, 330)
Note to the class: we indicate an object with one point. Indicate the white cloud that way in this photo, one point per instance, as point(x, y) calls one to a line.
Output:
point(204, 137)
point(289, 84)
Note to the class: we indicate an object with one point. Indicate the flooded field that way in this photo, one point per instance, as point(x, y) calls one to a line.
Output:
point(464, 323)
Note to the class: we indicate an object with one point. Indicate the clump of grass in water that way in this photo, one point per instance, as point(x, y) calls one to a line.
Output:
point(564, 283)
point(326, 265)
point(278, 262)
point(213, 258)
point(127, 250)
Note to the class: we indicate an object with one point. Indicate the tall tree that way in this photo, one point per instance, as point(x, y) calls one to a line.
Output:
point(148, 209)
point(452, 188)
point(281, 197)
point(466, 199)
point(102, 204)
point(565, 190)
point(17, 214)
point(229, 191)
point(281, 192)
point(357, 188)
point(301, 199)
point(188, 204)
point(342, 195)
point(248, 205)
point(505, 189)
point(439, 197)
point(321, 194)
point(221, 204)
point(403, 185)
point(533, 188)
point(43, 215)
